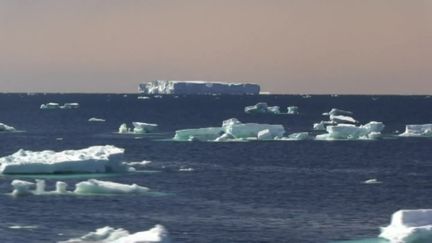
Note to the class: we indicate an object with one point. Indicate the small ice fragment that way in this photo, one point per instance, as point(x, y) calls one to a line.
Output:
point(372, 181)
point(94, 119)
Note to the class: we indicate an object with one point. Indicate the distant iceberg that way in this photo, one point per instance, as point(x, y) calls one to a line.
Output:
point(262, 107)
point(232, 129)
point(423, 130)
point(6, 128)
point(139, 128)
point(111, 235)
point(95, 159)
point(336, 116)
point(197, 87)
point(52, 105)
point(409, 226)
point(89, 187)
point(372, 130)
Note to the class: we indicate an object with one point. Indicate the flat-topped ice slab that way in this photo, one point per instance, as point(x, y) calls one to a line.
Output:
point(421, 130)
point(409, 226)
point(95, 159)
point(197, 87)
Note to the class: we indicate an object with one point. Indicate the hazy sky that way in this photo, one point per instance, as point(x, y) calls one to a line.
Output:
point(287, 46)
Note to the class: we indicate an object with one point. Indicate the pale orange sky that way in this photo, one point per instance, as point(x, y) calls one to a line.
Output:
point(287, 46)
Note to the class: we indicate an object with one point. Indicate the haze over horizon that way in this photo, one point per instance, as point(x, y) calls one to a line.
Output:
point(286, 46)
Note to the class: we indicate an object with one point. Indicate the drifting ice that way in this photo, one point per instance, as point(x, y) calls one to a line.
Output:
point(292, 110)
point(6, 128)
point(139, 128)
point(96, 159)
point(371, 130)
point(89, 187)
point(94, 119)
point(424, 130)
point(111, 235)
point(197, 87)
point(262, 107)
point(337, 112)
point(409, 226)
point(231, 129)
point(53, 105)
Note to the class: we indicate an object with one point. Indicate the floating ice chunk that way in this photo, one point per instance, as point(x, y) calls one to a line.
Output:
point(95, 159)
point(409, 226)
point(123, 129)
point(372, 130)
point(342, 119)
point(111, 235)
point(21, 187)
point(94, 119)
point(141, 127)
point(6, 128)
point(262, 107)
point(143, 97)
point(186, 169)
point(292, 110)
point(197, 88)
point(199, 134)
point(23, 227)
point(70, 106)
point(247, 130)
point(144, 162)
point(422, 130)
point(50, 105)
point(61, 187)
point(372, 181)
point(337, 112)
point(94, 186)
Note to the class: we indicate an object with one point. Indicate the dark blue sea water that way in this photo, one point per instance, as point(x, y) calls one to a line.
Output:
point(297, 191)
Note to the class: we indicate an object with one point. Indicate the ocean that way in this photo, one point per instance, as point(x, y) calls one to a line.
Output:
point(257, 191)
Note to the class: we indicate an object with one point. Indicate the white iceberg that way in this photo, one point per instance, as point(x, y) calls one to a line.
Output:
point(21, 187)
point(372, 130)
point(409, 226)
point(94, 186)
point(262, 107)
point(251, 130)
point(94, 119)
point(421, 130)
point(6, 128)
point(197, 88)
point(342, 119)
point(95, 159)
point(50, 105)
point(292, 110)
point(199, 134)
point(141, 127)
point(111, 235)
point(337, 112)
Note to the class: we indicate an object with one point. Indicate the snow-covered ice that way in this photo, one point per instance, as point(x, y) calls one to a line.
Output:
point(95, 159)
point(197, 87)
point(109, 234)
point(371, 130)
point(139, 128)
point(409, 226)
point(421, 130)
point(342, 119)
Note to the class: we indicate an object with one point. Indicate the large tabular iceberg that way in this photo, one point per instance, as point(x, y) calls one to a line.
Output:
point(111, 235)
point(409, 226)
point(197, 87)
point(372, 130)
point(6, 128)
point(96, 159)
point(232, 129)
point(423, 130)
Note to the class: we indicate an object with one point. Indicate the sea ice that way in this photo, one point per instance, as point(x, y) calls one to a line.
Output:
point(50, 105)
point(342, 119)
point(423, 130)
point(6, 128)
point(69, 106)
point(94, 119)
point(251, 130)
point(111, 235)
point(372, 181)
point(141, 127)
point(292, 110)
point(95, 159)
point(199, 134)
point(53, 105)
point(262, 107)
point(94, 186)
point(372, 130)
point(409, 226)
point(265, 135)
point(197, 87)
point(337, 112)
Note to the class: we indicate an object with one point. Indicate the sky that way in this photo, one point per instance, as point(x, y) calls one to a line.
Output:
point(286, 46)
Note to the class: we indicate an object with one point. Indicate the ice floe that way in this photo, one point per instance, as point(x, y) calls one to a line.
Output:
point(95, 119)
point(139, 128)
point(89, 187)
point(109, 234)
point(409, 226)
point(292, 110)
point(421, 130)
point(262, 107)
point(371, 130)
point(95, 159)
point(338, 112)
point(6, 128)
point(53, 105)
point(372, 181)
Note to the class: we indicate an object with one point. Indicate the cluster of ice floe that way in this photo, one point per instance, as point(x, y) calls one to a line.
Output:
point(409, 226)
point(89, 187)
point(139, 128)
point(52, 105)
point(6, 128)
point(262, 108)
point(232, 129)
point(95, 159)
point(111, 235)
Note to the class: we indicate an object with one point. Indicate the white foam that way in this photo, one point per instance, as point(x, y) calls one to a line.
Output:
point(409, 226)
point(95, 159)
point(109, 234)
